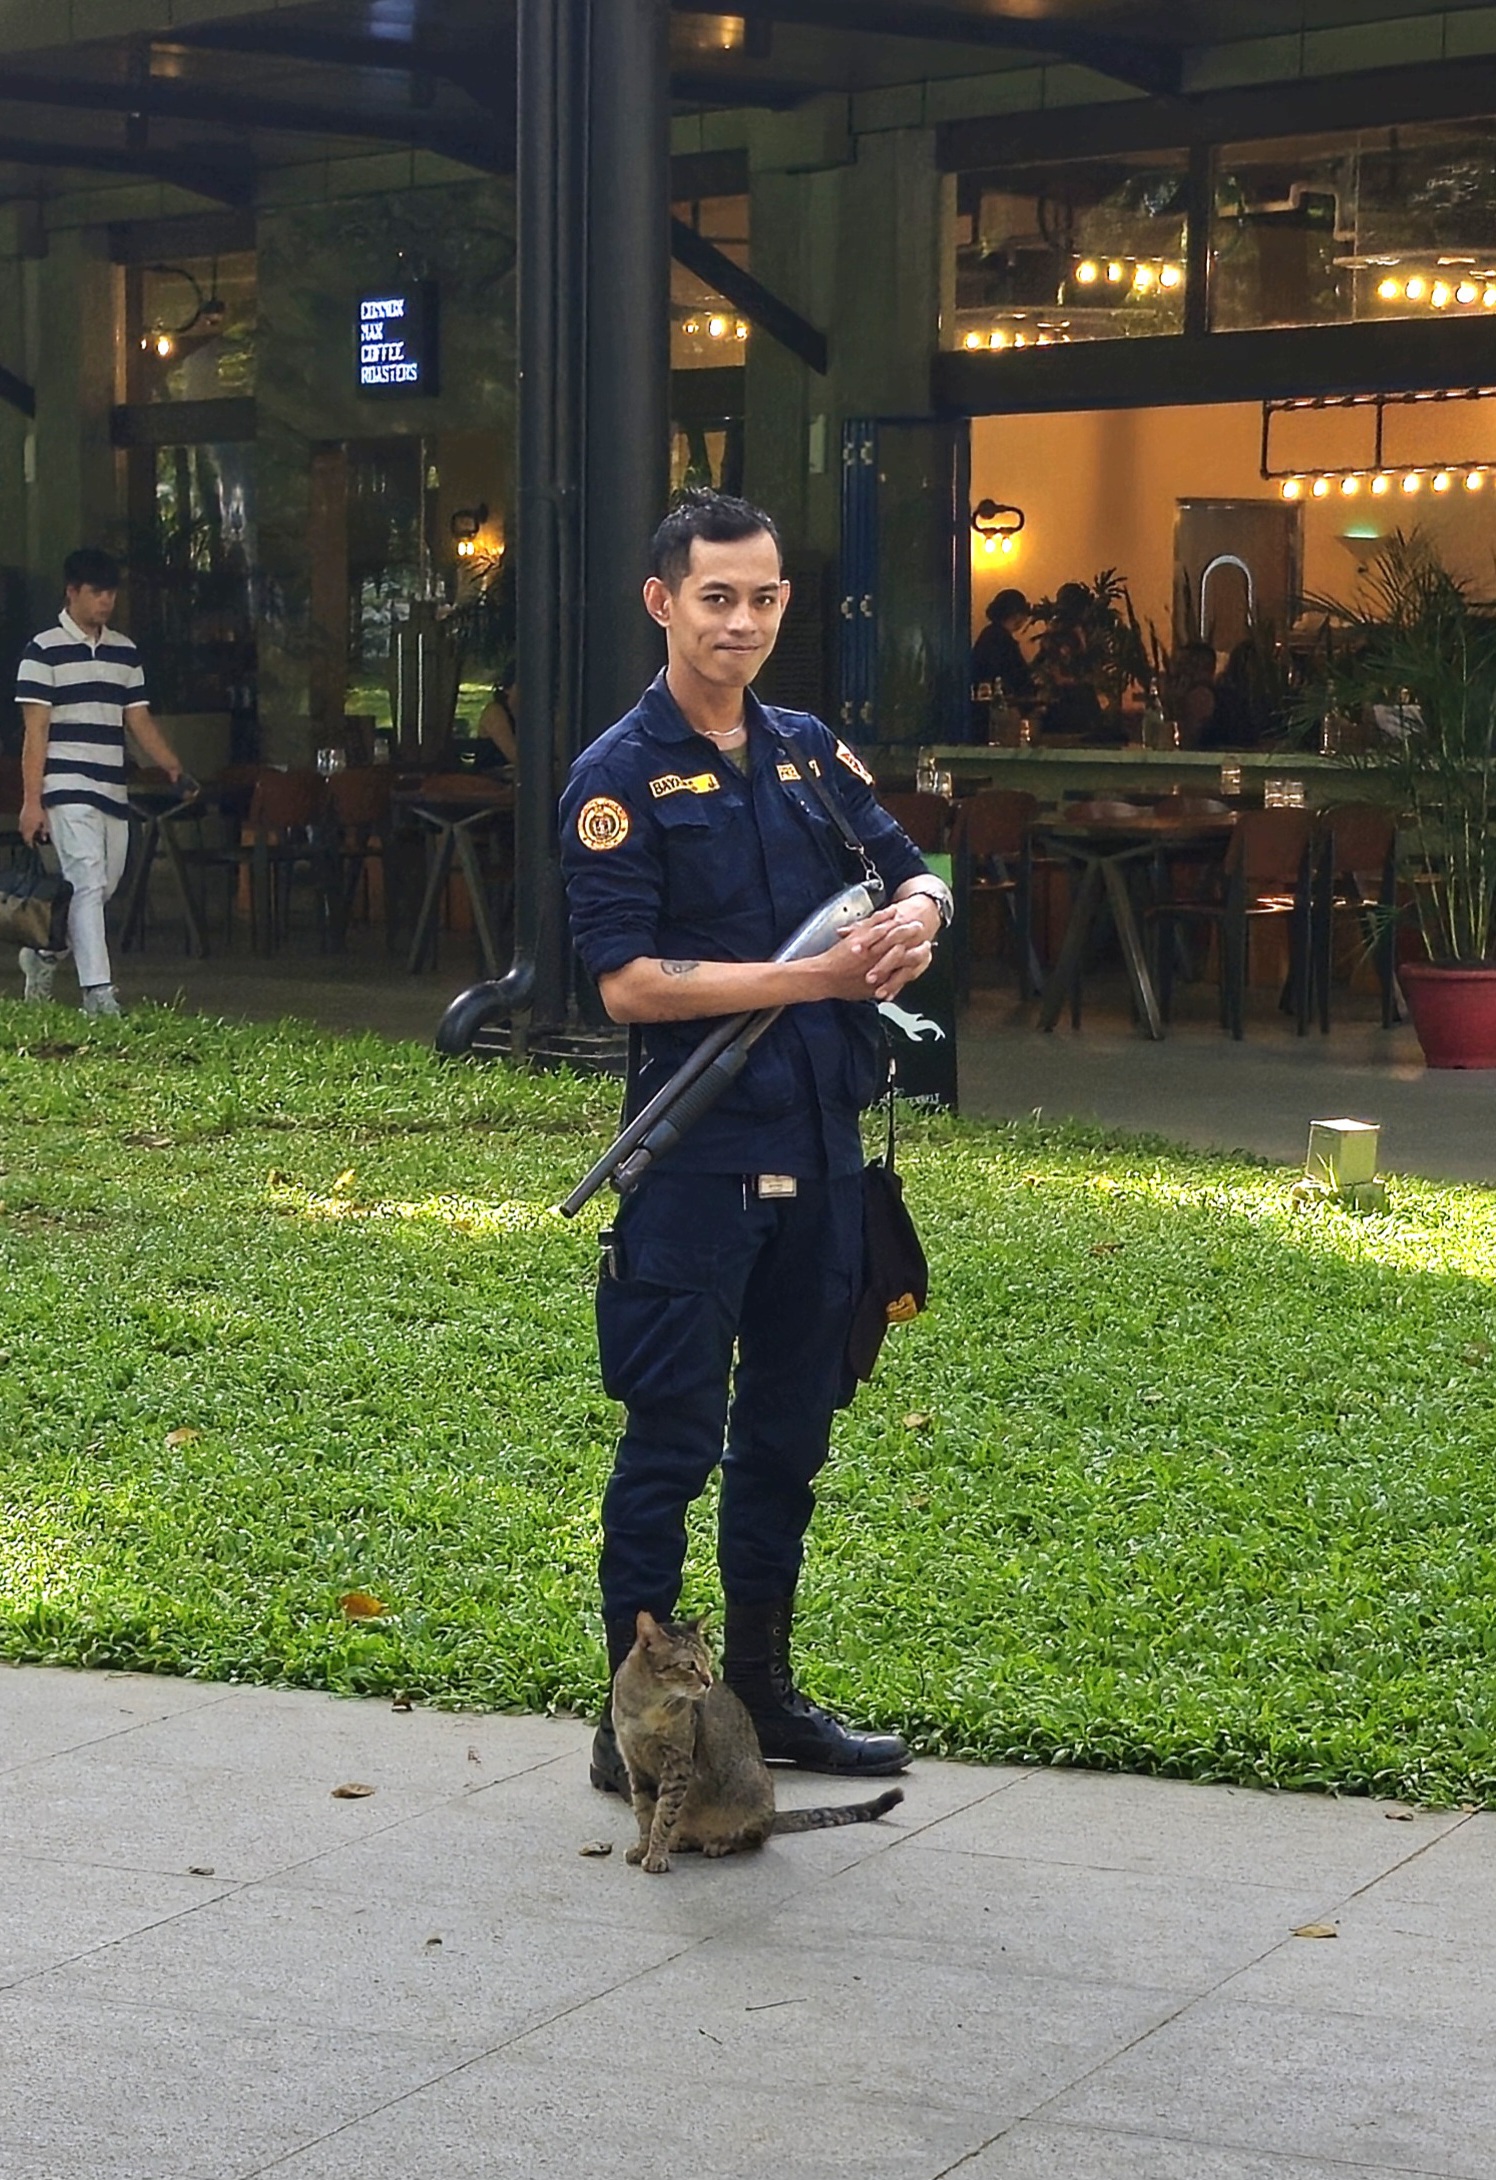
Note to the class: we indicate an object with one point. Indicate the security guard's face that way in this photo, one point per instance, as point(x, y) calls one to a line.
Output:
point(721, 624)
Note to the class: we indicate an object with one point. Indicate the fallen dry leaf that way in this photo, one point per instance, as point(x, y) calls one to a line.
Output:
point(199, 1869)
point(596, 1847)
point(1105, 1248)
point(353, 1791)
point(473, 1756)
point(183, 1437)
point(1398, 1816)
point(345, 1180)
point(915, 1422)
point(431, 1943)
point(361, 1605)
point(1317, 1930)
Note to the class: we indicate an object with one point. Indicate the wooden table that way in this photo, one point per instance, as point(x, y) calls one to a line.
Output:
point(1101, 848)
point(454, 820)
point(154, 810)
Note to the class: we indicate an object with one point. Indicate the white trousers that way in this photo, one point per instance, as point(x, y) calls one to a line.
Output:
point(91, 849)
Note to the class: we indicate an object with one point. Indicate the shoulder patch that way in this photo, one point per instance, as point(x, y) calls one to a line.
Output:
point(854, 763)
point(678, 783)
point(602, 823)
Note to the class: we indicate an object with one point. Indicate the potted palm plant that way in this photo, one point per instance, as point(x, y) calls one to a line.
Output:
point(1418, 659)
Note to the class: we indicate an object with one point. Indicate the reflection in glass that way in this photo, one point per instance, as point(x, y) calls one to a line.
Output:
point(1385, 223)
point(1085, 250)
point(196, 333)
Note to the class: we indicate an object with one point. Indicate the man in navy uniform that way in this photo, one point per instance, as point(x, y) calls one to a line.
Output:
point(692, 848)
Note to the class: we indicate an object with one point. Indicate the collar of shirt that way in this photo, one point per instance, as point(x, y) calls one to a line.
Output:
point(80, 635)
point(664, 719)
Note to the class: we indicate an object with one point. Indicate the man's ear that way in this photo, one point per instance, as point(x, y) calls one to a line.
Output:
point(784, 594)
point(657, 601)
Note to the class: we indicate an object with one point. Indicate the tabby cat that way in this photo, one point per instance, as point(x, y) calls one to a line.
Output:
point(696, 1774)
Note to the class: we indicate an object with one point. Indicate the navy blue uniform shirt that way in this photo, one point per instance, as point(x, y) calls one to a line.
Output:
point(670, 852)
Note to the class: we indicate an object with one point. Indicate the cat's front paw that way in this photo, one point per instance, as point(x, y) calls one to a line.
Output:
point(657, 1865)
point(636, 1853)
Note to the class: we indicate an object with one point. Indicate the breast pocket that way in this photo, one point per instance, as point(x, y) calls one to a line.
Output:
point(708, 871)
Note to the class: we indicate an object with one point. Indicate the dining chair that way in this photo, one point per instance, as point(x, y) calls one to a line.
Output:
point(993, 860)
point(285, 838)
point(1359, 882)
point(360, 819)
point(925, 818)
point(1268, 875)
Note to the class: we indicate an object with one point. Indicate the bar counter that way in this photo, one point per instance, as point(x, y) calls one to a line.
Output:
point(1052, 774)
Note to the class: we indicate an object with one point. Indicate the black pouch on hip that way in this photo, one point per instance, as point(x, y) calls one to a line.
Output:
point(895, 1273)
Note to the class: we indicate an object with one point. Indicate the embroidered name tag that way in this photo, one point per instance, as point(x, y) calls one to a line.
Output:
point(854, 763)
point(676, 783)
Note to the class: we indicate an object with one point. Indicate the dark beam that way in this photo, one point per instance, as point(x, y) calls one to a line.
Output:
point(757, 303)
point(335, 49)
point(16, 393)
point(205, 178)
point(1370, 99)
point(161, 96)
point(1394, 356)
point(708, 87)
point(1157, 69)
point(695, 174)
point(184, 423)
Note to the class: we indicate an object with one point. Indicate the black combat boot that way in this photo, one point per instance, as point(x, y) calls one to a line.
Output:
point(792, 1729)
point(609, 1773)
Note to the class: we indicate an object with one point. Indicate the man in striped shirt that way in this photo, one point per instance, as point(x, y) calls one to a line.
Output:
point(79, 687)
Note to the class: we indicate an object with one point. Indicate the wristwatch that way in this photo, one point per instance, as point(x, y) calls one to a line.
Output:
point(936, 890)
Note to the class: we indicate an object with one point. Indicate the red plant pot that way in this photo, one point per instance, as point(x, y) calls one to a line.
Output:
point(1454, 1013)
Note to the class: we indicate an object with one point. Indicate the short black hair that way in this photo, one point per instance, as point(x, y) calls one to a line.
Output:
point(1005, 605)
point(714, 517)
point(91, 569)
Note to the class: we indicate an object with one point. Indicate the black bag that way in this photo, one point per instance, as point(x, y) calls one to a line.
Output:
point(895, 1274)
point(33, 904)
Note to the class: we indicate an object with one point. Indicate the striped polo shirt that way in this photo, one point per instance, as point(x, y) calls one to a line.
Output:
point(88, 687)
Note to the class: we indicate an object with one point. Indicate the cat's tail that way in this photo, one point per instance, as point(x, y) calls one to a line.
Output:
point(815, 1820)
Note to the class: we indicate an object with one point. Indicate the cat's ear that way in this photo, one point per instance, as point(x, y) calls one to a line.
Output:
point(647, 1627)
point(698, 1624)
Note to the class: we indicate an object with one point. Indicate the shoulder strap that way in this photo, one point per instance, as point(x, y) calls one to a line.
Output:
point(833, 809)
point(888, 1138)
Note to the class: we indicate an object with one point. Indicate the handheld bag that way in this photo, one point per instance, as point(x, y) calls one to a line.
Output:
point(895, 1273)
point(33, 904)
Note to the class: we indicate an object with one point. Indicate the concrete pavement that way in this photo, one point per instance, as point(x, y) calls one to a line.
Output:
point(212, 1969)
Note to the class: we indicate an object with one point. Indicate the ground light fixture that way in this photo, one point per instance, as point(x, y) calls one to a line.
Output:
point(1341, 1165)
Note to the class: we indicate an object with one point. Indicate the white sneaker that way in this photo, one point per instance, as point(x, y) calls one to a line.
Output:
point(39, 970)
point(101, 999)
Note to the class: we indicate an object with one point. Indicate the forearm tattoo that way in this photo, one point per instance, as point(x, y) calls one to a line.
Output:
point(679, 968)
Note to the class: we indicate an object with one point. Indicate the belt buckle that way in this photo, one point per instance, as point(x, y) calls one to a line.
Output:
point(775, 1184)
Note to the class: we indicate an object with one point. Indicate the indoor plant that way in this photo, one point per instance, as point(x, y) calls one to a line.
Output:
point(1419, 657)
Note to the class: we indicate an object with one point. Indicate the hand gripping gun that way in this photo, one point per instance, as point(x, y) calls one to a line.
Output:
point(699, 1081)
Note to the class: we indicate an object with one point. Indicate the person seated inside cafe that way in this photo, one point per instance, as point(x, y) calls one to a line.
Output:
point(496, 748)
point(1074, 713)
point(997, 657)
point(1215, 711)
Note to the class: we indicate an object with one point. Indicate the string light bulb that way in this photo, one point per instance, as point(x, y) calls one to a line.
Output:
point(1350, 486)
point(1443, 481)
point(1474, 479)
point(165, 345)
point(1293, 488)
point(1170, 276)
point(1321, 487)
point(1114, 272)
point(1488, 299)
point(1144, 278)
point(1416, 289)
point(1381, 484)
point(740, 330)
point(1087, 271)
point(997, 339)
point(1412, 482)
point(1438, 294)
point(973, 340)
point(1388, 291)
point(1466, 292)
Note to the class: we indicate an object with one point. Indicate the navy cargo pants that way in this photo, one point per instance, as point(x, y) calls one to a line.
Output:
point(700, 1265)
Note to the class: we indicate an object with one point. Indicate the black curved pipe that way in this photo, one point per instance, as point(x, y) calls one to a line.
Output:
point(481, 1004)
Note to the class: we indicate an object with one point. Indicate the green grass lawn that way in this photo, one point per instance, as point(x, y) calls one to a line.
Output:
point(1171, 1477)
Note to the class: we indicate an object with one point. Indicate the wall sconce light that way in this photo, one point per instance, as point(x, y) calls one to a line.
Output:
point(465, 525)
point(997, 525)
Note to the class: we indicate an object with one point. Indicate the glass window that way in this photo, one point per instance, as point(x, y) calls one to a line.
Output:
point(705, 330)
point(1384, 223)
point(196, 333)
point(1087, 250)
